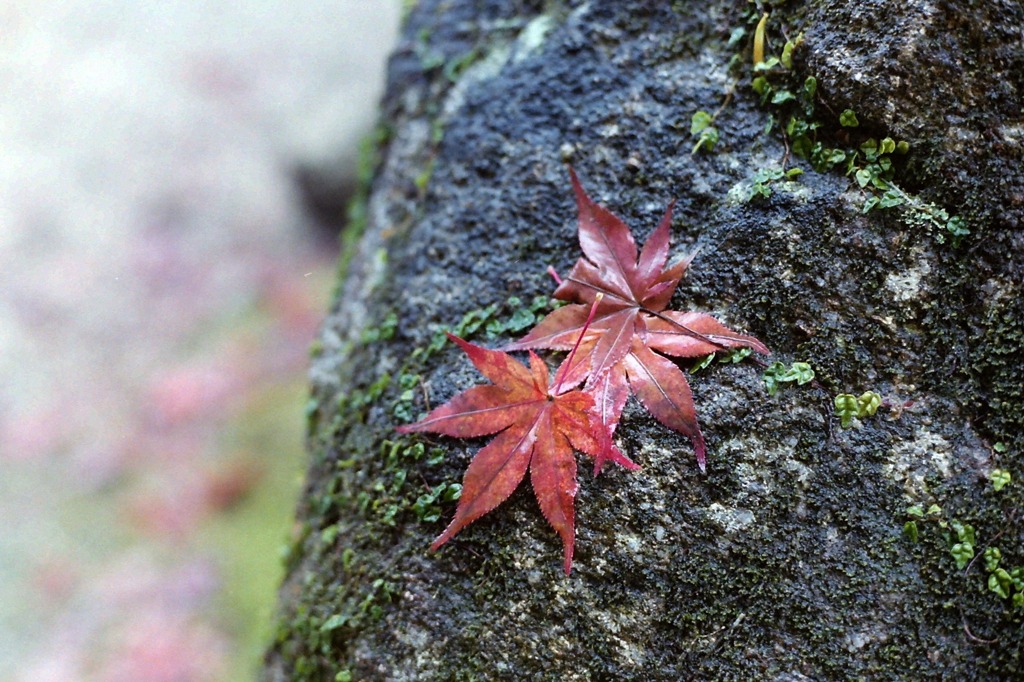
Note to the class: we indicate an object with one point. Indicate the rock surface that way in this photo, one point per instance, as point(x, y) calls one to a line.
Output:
point(788, 560)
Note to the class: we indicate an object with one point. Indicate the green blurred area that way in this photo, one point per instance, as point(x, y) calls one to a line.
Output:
point(247, 538)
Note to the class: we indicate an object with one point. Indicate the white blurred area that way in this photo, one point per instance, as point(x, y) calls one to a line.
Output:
point(121, 119)
point(148, 211)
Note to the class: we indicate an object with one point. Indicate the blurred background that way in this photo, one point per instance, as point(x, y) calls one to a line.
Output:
point(171, 184)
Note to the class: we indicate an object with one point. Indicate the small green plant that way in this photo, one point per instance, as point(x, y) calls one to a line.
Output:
point(1000, 479)
point(454, 68)
point(367, 610)
point(397, 489)
point(992, 555)
point(849, 406)
point(786, 59)
point(730, 356)
point(870, 164)
point(520, 316)
point(359, 399)
point(876, 174)
point(422, 178)
point(960, 536)
point(962, 542)
point(778, 374)
point(848, 119)
point(911, 530)
point(402, 409)
point(916, 513)
point(383, 332)
point(877, 170)
point(764, 177)
point(929, 216)
point(702, 127)
point(1007, 583)
point(427, 506)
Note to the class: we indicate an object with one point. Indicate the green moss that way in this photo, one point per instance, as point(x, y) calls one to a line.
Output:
point(828, 143)
point(455, 67)
point(369, 159)
point(366, 501)
point(996, 367)
point(385, 331)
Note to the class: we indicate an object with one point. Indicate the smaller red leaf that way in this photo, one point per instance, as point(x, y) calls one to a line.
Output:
point(478, 411)
point(501, 368)
point(537, 428)
point(553, 477)
point(557, 331)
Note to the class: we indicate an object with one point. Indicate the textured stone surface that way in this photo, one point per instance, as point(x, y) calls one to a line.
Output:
point(786, 561)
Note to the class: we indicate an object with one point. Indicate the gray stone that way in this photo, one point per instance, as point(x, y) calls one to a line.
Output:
point(787, 561)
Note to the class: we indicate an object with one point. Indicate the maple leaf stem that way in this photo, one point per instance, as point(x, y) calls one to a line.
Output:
point(680, 325)
point(572, 353)
point(554, 275)
point(683, 327)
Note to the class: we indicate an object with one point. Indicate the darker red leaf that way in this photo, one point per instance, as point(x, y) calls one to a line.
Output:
point(610, 392)
point(606, 241)
point(655, 253)
point(630, 323)
point(691, 335)
point(664, 391)
point(613, 340)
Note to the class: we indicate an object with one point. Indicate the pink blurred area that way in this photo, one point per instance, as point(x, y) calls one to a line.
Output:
point(160, 284)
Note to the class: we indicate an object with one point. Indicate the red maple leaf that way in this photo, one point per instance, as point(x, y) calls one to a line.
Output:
point(537, 428)
point(617, 355)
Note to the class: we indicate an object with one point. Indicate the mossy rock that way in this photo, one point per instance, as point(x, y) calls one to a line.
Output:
point(787, 560)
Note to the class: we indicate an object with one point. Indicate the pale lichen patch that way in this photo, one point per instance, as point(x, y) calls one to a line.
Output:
point(910, 463)
point(758, 468)
point(906, 286)
point(730, 519)
point(532, 36)
point(858, 639)
point(629, 541)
